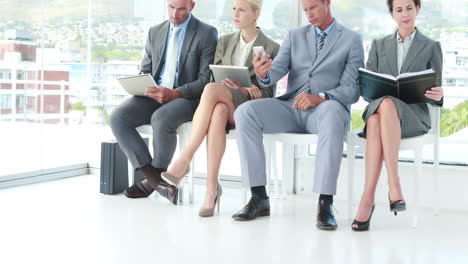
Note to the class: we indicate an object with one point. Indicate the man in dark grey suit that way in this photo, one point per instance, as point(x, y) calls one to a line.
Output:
point(322, 60)
point(177, 54)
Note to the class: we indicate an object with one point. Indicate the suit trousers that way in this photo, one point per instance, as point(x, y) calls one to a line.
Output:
point(164, 118)
point(330, 120)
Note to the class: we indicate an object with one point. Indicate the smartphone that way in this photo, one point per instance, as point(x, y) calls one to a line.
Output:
point(259, 50)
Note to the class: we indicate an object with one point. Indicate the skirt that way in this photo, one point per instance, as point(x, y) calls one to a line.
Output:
point(238, 98)
point(414, 118)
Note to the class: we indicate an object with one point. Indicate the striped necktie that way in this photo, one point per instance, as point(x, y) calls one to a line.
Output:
point(321, 41)
point(303, 89)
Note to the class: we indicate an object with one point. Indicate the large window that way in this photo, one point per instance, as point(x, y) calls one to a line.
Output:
point(58, 63)
point(59, 60)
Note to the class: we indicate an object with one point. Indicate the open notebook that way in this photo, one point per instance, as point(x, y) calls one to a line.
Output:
point(408, 87)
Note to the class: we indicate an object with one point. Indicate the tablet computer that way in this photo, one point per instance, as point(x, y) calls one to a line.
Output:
point(239, 74)
point(136, 85)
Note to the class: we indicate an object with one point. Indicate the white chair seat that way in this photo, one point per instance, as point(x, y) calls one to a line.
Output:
point(405, 144)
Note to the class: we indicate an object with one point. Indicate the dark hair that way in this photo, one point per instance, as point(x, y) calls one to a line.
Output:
point(390, 4)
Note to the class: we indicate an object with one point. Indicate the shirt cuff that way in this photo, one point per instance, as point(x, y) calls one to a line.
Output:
point(265, 81)
point(331, 97)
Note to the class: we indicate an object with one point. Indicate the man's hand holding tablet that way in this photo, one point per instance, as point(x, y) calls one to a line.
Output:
point(162, 94)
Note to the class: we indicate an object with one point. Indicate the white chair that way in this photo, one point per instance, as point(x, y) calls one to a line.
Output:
point(416, 144)
point(183, 131)
point(294, 147)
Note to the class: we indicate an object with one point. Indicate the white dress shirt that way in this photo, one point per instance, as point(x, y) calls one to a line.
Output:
point(403, 48)
point(242, 51)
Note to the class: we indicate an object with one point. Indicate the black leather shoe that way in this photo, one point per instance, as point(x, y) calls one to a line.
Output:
point(152, 174)
point(325, 217)
point(168, 191)
point(254, 208)
point(141, 189)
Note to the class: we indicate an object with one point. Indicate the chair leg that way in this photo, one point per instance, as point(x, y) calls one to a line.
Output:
point(300, 156)
point(436, 202)
point(181, 194)
point(351, 159)
point(267, 144)
point(288, 170)
point(276, 177)
point(131, 172)
point(277, 180)
point(273, 165)
point(245, 193)
point(418, 164)
point(184, 137)
point(191, 177)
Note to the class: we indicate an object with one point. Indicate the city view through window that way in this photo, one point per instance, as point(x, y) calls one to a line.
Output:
point(59, 61)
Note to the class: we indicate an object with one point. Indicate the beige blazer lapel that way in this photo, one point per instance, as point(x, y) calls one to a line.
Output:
point(231, 46)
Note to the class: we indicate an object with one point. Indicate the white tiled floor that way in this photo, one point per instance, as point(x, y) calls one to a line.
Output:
point(68, 221)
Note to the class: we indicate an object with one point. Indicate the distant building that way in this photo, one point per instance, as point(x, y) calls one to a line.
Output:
point(23, 96)
point(26, 49)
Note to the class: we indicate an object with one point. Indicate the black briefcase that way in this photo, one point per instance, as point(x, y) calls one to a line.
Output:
point(114, 168)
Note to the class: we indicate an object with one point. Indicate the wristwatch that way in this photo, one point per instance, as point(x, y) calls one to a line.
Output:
point(323, 96)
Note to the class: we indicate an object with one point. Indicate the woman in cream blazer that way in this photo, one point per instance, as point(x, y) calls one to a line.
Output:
point(214, 114)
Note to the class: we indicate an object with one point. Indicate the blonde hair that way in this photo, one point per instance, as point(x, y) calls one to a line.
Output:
point(255, 4)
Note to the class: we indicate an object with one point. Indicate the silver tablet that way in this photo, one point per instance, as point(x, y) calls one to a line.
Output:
point(136, 85)
point(238, 74)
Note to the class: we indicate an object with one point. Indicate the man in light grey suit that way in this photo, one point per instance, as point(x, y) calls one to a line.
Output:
point(322, 60)
point(177, 54)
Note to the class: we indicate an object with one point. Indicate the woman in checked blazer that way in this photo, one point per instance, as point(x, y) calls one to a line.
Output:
point(389, 119)
point(214, 114)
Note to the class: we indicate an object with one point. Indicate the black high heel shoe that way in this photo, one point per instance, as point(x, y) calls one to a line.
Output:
point(397, 206)
point(363, 226)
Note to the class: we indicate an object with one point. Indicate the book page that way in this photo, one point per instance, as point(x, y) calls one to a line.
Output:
point(410, 74)
point(383, 75)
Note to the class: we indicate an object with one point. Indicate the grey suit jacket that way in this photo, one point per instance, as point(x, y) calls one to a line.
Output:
point(195, 57)
point(334, 71)
point(227, 46)
point(424, 53)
